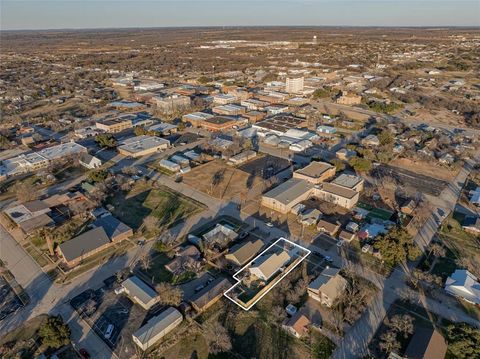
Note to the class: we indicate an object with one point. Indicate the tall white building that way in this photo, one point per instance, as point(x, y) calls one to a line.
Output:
point(294, 85)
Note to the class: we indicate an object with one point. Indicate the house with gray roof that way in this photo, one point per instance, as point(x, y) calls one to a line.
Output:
point(83, 246)
point(115, 229)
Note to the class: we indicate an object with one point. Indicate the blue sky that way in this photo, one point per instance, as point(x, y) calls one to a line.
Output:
point(61, 14)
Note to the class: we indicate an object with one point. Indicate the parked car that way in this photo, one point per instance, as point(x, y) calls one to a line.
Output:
point(84, 354)
point(109, 331)
point(269, 224)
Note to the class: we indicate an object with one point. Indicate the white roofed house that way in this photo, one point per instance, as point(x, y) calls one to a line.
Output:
point(156, 328)
point(89, 161)
point(265, 267)
point(139, 292)
point(463, 284)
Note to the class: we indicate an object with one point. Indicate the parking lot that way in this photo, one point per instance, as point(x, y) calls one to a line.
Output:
point(265, 167)
point(9, 301)
point(113, 317)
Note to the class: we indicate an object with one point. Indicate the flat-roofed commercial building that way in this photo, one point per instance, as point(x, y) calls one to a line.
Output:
point(37, 160)
point(254, 104)
point(143, 145)
point(294, 85)
point(254, 116)
point(114, 125)
point(279, 125)
point(229, 110)
point(288, 194)
point(223, 99)
point(316, 172)
point(222, 123)
point(196, 118)
point(156, 328)
point(171, 103)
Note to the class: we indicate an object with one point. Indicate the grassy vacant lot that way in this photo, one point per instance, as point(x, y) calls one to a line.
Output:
point(162, 203)
point(188, 347)
point(157, 271)
point(462, 244)
point(222, 181)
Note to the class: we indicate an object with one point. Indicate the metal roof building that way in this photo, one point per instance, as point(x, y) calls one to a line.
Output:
point(156, 328)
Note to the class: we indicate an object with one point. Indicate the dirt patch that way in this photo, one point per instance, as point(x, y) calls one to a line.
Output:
point(425, 168)
point(222, 181)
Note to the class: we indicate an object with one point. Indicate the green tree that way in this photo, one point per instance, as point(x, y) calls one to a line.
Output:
point(463, 341)
point(139, 131)
point(339, 165)
point(97, 175)
point(385, 137)
point(322, 92)
point(204, 80)
point(397, 246)
point(106, 140)
point(54, 333)
point(360, 164)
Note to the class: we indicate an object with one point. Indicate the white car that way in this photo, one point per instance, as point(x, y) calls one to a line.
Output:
point(109, 331)
point(269, 224)
point(339, 243)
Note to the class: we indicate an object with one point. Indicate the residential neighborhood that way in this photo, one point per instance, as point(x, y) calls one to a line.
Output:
point(269, 193)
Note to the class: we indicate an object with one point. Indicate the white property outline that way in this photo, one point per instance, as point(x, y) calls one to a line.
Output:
point(277, 281)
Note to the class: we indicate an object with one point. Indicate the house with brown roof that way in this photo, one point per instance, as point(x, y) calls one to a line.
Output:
point(328, 227)
point(209, 295)
point(183, 259)
point(426, 343)
point(297, 325)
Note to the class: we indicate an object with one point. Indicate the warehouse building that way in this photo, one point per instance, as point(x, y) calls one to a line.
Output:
point(142, 145)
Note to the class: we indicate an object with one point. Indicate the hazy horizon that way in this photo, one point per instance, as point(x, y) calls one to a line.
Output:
point(127, 14)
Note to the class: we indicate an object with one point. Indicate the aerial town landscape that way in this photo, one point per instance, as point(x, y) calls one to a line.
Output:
point(255, 192)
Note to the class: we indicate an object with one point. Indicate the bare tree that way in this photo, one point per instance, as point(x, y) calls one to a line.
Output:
point(145, 261)
point(389, 342)
point(170, 295)
point(217, 338)
point(438, 250)
point(25, 192)
point(402, 324)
